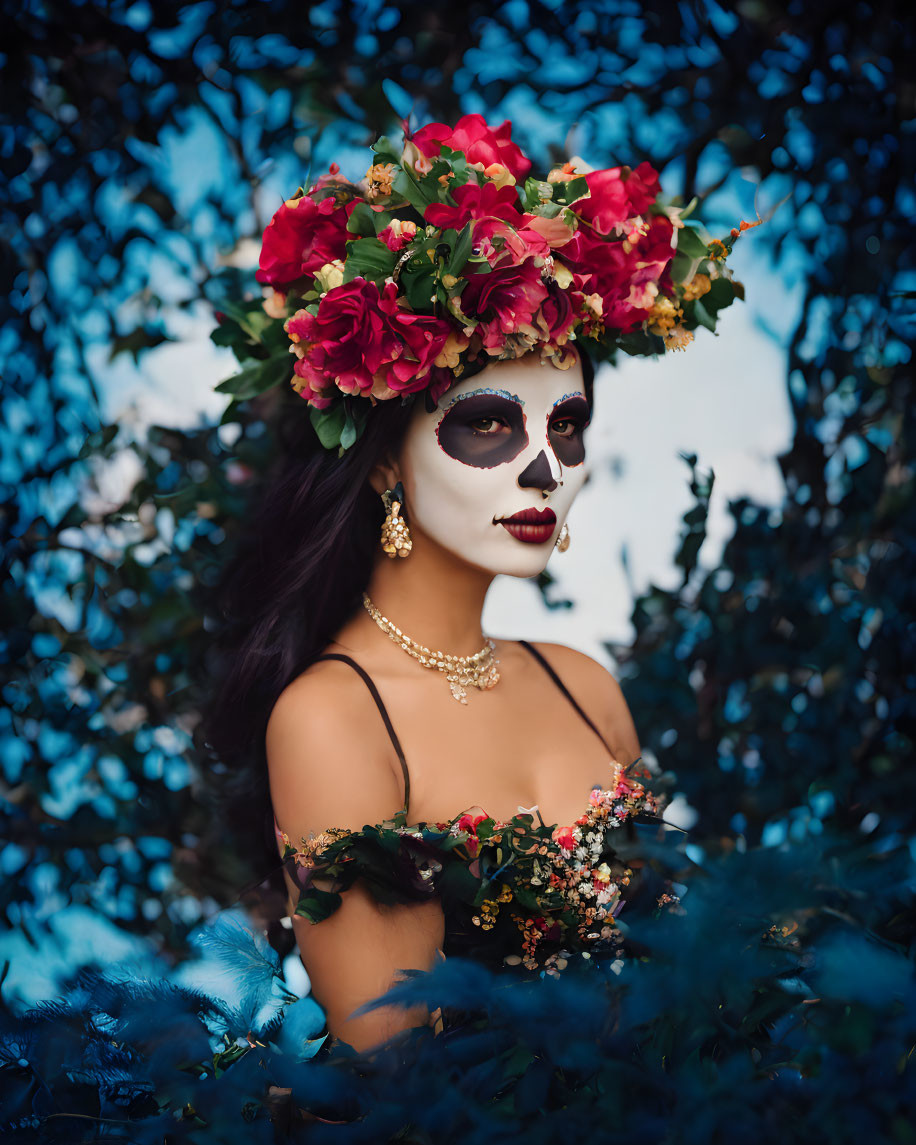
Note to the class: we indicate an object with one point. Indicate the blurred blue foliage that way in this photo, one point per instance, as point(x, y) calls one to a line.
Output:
point(143, 149)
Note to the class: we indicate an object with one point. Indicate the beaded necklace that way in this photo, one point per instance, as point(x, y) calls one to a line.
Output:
point(478, 671)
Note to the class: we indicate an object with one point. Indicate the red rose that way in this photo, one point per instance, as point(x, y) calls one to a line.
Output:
point(301, 237)
point(642, 187)
point(505, 299)
point(479, 142)
point(474, 202)
point(366, 341)
point(615, 196)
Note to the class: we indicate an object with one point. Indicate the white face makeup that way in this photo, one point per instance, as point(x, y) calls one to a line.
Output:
point(490, 451)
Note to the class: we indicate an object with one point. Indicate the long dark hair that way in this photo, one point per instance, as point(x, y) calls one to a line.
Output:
point(298, 572)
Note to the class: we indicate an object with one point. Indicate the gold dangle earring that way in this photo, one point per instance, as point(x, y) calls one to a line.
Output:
point(562, 542)
point(396, 540)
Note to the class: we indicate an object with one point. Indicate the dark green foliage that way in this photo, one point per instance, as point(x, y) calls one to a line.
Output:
point(779, 1001)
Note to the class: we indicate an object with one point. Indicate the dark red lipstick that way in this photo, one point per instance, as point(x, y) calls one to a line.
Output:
point(533, 526)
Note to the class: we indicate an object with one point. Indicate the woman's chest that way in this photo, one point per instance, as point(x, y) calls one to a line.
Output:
point(499, 754)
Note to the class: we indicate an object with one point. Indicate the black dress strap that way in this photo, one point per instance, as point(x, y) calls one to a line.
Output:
point(566, 692)
point(370, 684)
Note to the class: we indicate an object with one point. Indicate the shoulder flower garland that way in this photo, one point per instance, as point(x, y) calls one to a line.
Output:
point(546, 893)
point(449, 253)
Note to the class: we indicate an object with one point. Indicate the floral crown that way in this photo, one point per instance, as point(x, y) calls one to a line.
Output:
point(448, 254)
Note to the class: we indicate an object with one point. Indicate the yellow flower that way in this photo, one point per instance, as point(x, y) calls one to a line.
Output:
point(450, 353)
point(696, 287)
point(330, 275)
point(602, 874)
point(593, 314)
point(663, 315)
point(678, 338)
point(500, 175)
point(379, 178)
point(562, 275)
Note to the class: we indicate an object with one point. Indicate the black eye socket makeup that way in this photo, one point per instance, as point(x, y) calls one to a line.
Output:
point(565, 427)
point(483, 429)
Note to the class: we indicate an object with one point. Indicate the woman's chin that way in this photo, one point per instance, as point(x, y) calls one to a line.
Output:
point(524, 564)
point(504, 555)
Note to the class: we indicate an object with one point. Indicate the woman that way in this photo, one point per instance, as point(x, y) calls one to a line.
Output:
point(332, 760)
point(361, 660)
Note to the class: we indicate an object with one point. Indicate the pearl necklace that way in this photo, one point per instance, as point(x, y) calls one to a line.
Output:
point(478, 670)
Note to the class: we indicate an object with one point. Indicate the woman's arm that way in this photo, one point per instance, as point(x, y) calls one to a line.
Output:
point(329, 767)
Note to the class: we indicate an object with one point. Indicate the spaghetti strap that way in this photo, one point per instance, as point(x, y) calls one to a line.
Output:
point(566, 692)
point(370, 684)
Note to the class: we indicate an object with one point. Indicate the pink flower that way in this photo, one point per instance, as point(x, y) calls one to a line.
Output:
point(619, 273)
point(473, 202)
point(505, 299)
point(499, 231)
point(615, 195)
point(556, 317)
point(468, 823)
point(504, 244)
point(555, 232)
point(365, 341)
point(398, 234)
point(302, 236)
point(564, 837)
point(642, 187)
point(479, 142)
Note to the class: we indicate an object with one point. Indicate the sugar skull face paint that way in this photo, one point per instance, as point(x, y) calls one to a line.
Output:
point(477, 468)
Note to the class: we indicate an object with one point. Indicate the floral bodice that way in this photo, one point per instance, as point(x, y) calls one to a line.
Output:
point(515, 893)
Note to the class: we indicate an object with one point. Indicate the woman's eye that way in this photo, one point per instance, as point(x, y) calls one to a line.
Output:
point(565, 426)
point(487, 426)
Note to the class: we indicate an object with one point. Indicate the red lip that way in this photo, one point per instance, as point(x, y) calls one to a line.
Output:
point(533, 526)
point(531, 517)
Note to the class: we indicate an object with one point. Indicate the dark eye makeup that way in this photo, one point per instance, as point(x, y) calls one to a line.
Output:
point(483, 430)
point(565, 426)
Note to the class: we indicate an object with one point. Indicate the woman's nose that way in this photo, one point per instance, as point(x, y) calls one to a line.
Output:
point(537, 474)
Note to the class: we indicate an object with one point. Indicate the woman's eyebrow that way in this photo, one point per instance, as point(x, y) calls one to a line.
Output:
point(483, 390)
point(574, 394)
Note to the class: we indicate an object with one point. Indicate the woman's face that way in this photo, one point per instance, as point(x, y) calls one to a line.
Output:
point(492, 472)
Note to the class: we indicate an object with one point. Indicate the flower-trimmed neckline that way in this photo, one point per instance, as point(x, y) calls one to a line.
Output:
point(596, 792)
point(446, 824)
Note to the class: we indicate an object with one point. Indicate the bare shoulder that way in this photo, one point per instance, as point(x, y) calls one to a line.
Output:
point(598, 693)
point(329, 759)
